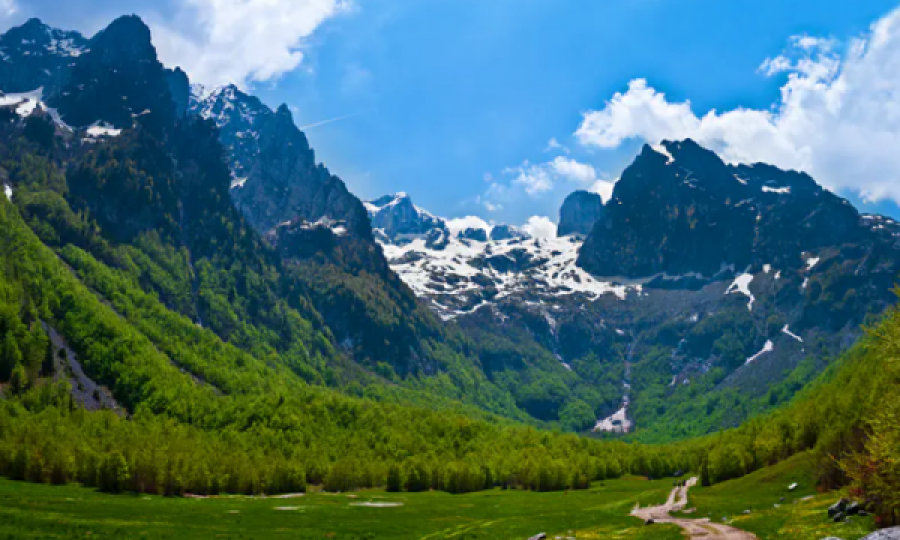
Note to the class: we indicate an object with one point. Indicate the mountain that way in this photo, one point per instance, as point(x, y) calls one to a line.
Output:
point(275, 174)
point(34, 55)
point(682, 209)
point(700, 286)
point(579, 212)
point(699, 294)
point(280, 263)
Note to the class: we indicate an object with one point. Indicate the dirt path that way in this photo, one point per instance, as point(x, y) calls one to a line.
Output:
point(695, 528)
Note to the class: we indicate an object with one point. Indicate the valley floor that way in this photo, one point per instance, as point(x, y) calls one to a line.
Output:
point(41, 511)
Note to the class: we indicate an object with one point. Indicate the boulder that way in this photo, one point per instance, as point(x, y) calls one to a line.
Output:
point(649, 522)
point(885, 534)
point(838, 508)
point(853, 508)
point(539, 536)
point(839, 517)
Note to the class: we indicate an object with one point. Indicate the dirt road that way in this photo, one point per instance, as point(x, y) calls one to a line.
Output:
point(695, 528)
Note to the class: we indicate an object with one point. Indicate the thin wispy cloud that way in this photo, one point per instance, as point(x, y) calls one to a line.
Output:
point(329, 121)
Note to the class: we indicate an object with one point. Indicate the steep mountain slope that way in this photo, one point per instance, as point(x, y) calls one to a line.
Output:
point(703, 292)
point(579, 212)
point(34, 56)
point(711, 291)
point(153, 202)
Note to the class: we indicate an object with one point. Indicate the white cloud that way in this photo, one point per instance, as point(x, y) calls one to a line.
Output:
point(540, 227)
point(604, 188)
point(573, 170)
point(457, 225)
point(240, 41)
point(541, 178)
point(838, 117)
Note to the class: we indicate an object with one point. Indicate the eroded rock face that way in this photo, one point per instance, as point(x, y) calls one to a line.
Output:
point(680, 209)
point(399, 219)
point(276, 178)
point(35, 56)
point(579, 212)
point(119, 79)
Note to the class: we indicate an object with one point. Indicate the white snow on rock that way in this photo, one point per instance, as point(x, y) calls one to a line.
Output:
point(781, 190)
point(25, 102)
point(660, 149)
point(812, 262)
point(767, 348)
point(617, 422)
point(787, 331)
point(741, 285)
point(767, 268)
point(98, 129)
point(28, 102)
point(444, 274)
point(8, 191)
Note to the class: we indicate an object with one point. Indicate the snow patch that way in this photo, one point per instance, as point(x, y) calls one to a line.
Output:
point(102, 129)
point(811, 262)
point(617, 422)
point(780, 190)
point(8, 191)
point(660, 149)
point(767, 348)
point(741, 285)
point(787, 331)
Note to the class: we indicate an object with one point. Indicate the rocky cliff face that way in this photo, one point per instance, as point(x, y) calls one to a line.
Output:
point(579, 212)
point(276, 178)
point(680, 209)
point(396, 218)
point(118, 81)
point(36, 56)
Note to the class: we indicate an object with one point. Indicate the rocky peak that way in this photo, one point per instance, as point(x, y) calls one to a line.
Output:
point(125, 41)
point(283, 182)
point(579, 212)
point(117, 81)
point(506, 232)
point(33, 55)
point(680, 209)
point(239, 117)
point(400, 220)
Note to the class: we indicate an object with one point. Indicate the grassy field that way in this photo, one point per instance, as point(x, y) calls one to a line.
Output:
point(800, 516)
point(39, 511)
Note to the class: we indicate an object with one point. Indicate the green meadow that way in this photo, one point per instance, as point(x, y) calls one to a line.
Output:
point(775, 511)
point(30, 511)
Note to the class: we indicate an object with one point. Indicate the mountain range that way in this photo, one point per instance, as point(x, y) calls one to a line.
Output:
point(699, 294)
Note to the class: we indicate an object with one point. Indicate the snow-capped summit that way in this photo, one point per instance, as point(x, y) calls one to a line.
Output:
point(399, 220)
point(463, 264)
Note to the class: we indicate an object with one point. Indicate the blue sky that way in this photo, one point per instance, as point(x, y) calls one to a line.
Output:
point(455, 101)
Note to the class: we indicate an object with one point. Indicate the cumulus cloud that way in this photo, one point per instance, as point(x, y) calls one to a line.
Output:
point(542, 177)
point(239, 41)
point(838, 116)
point(540, 227)
point(457, 225)
point(604, 188)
